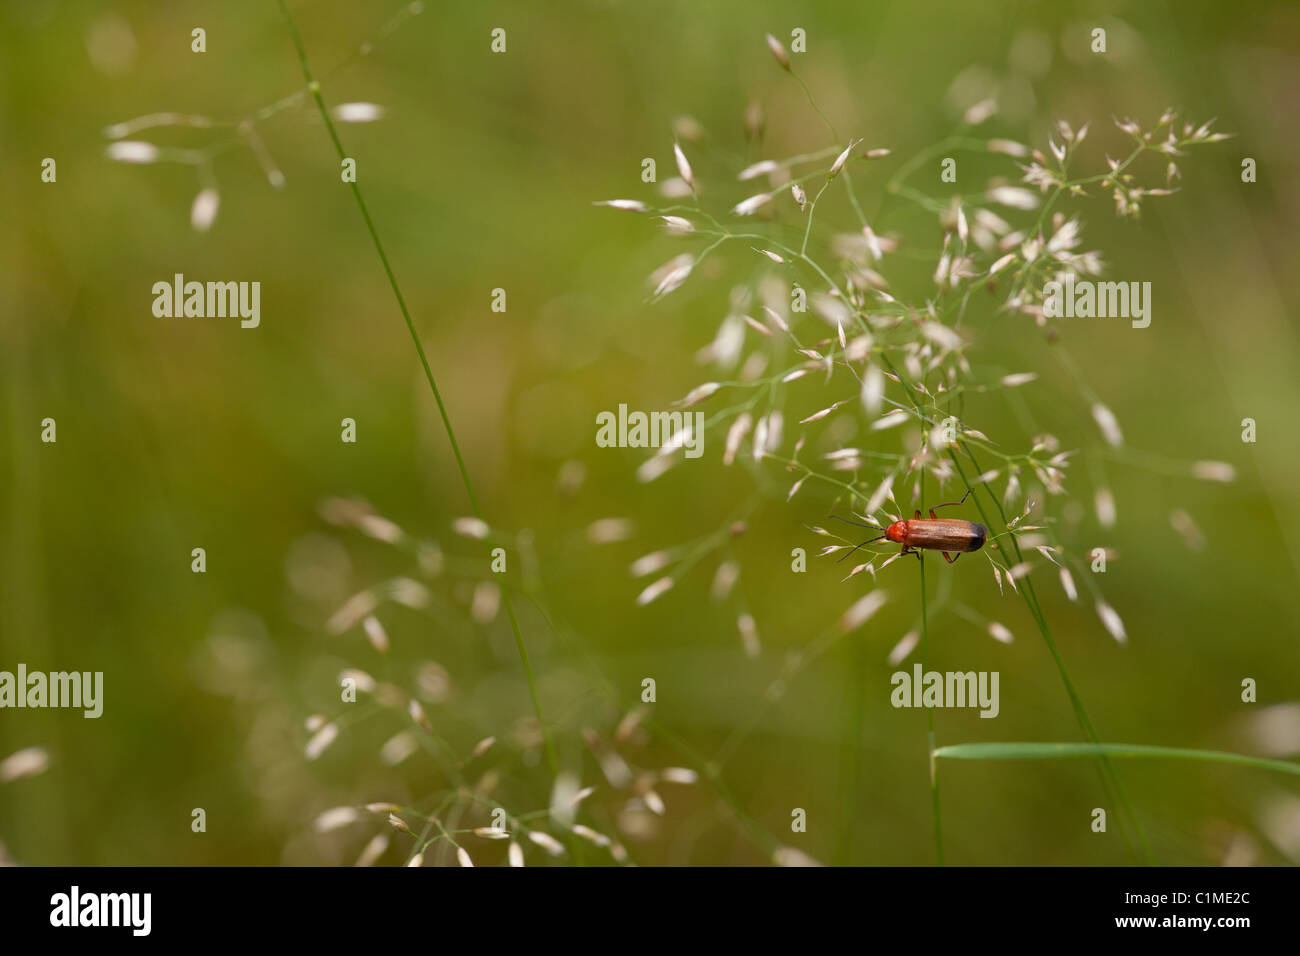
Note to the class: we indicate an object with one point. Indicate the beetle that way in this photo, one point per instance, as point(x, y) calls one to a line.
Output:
point(952, 537)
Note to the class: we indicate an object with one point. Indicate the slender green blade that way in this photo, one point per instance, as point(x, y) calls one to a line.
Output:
point(1059, 751)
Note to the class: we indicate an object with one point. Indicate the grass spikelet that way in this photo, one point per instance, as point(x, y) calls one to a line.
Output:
point(747, 207)
point(792, 856)
point(681, 775)
point(471, 527)
point(748, 635)
point(778, 52)
point(590, 835)
point(375, 633)
point(903, 648)
point(650, 563)
point(1110, 619)
point(627, 205)
point(28, 762)
point(320, 741)
point(128, 151)
point(1104, 502)
point(861, 611)
point(357, 112)
point(609, 530)
point(684, 167)
point(654, 591)
point(999, 632)
point(374, 849)
point(203, 212)
point(547, 842)
point(1183, 523)
point(336, 818)
point(1214, 471)
point(1106, 421)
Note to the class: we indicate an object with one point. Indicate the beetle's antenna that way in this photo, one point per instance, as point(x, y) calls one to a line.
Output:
point(858, 524)
point(855, 547)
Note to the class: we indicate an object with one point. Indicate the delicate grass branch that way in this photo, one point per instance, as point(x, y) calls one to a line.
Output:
point(314, 87)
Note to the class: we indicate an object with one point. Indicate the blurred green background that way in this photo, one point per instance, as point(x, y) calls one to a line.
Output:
point(176, 434)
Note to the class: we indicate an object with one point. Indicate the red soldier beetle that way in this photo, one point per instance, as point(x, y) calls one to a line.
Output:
point(951, 537)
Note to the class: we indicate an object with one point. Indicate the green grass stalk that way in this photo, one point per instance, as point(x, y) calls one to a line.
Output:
point(314, 87)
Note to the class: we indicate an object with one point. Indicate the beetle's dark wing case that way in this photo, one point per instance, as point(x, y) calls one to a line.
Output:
point(945, 534)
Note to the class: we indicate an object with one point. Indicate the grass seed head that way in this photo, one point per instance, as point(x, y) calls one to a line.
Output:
point(778, 52)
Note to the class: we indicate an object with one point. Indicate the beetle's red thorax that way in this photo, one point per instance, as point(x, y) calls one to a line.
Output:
point(897, 532)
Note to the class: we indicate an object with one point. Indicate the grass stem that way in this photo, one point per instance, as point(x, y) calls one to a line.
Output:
point(314, 87)
point(929, 717)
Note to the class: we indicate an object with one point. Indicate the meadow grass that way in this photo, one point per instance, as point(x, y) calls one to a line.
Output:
point(1028, 257)
point(895, 361)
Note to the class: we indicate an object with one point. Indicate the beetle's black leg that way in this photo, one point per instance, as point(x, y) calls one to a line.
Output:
point(952, 559)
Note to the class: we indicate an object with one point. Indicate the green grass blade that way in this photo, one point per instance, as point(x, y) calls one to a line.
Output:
point(1066, 751)
point(314, 87)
